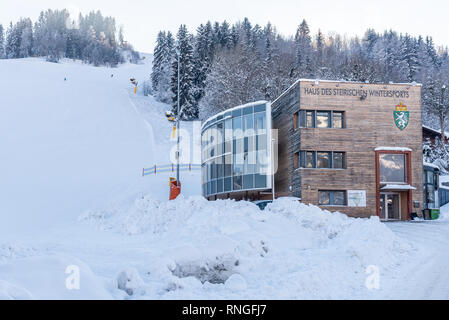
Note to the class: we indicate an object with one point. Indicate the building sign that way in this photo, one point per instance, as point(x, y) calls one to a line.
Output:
point(357, 198)
point(401, 116)
point(400, 94)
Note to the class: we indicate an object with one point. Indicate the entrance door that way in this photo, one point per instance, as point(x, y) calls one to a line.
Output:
point(390, 206)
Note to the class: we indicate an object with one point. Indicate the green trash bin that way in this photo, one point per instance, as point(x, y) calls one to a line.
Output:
point(435, 214)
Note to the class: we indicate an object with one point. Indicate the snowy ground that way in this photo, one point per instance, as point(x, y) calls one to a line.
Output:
point(72, 195)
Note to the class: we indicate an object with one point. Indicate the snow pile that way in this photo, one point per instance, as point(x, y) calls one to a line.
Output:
point(226, 249)
point(129, 281)
point(50, 277)
point(9, 291)
point(10, 251)
point(444, 213)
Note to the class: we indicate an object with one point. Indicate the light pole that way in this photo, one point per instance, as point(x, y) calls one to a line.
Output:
point(272, 169)
point(178, 117)
point(443, 89)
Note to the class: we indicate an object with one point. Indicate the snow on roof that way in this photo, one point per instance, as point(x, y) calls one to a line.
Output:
point(436, 131)
point(401, 149)
point(256, 103)
point(393, 187)
point(414, 84)
point(427, 164)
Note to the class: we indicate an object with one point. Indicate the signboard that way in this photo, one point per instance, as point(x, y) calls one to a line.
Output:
point(357, 198)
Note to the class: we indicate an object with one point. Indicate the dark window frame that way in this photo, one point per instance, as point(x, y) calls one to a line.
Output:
point(302, 116)
point(332, 198)
point(303, 160)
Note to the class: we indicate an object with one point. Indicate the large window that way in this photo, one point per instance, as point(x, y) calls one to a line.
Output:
point(322, 160)
point(321, 119)
point(393, 168)
point(235, 151)
point(332, 198)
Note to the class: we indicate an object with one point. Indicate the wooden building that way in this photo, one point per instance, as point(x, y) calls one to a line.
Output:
point(351, 147)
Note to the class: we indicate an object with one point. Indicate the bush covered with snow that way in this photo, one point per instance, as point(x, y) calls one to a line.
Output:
point(229, 249)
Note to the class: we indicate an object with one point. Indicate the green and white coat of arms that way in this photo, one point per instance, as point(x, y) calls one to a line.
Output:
point(401, 116)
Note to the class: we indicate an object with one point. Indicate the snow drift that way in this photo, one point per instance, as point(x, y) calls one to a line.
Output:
point(228, 249)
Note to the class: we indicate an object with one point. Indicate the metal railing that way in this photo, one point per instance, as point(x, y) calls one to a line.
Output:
point(156, 169)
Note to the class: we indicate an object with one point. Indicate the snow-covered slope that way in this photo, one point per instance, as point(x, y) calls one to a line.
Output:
point(73, 137)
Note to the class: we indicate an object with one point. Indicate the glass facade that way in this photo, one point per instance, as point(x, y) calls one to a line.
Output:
point(236, 150)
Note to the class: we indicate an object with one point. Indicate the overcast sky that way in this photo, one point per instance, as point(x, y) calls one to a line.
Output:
point(142, 19)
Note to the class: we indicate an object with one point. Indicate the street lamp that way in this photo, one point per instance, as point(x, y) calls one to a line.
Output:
point(443, 89)
point(178, 115)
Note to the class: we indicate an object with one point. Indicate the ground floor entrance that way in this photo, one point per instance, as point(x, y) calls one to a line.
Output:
point(390, 206)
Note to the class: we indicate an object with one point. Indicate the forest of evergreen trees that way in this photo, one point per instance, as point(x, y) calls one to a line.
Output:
point(225, 65)
point(92, 38)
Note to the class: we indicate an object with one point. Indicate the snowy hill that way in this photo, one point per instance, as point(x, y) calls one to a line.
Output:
point(69, 146)
point(74, 141)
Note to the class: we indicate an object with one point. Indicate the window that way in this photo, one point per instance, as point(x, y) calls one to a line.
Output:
point(296, 160)
point(228, 129)
point(310, 119)
point(338, 160)
point(321, 160)
point(332, 198)
point(338, 120)
point(392, 168)
point(310, 159)
point(248, 122)
point(260, 123)
point(237, 124)
point(319, 119)
point(323, 120)
point(295, 121)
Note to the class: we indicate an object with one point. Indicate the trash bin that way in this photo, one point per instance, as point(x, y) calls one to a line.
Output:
point(435, 214)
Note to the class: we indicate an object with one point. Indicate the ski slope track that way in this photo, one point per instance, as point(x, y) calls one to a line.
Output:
point(74, 139)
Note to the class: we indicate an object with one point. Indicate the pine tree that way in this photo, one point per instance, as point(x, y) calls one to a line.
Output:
point(410, 57)
point(2, 42)
point(26, 38)
point(188, 108)
point(226, 35)
point(303, 43)
point(158, 59)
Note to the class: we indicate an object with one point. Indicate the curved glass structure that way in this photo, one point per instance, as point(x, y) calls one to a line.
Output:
point(236, 150)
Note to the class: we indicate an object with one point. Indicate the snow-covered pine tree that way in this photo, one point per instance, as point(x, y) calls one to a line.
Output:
point(188, 108)
point(9, 43)
point(410, 57)
point(303, 44)
point(435, 98)
point(226, 35)
point(158, 59)
point(26, 38)
point(162, 67)
point(2, 42)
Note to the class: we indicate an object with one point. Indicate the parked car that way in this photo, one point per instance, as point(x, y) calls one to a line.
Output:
point(262, 204)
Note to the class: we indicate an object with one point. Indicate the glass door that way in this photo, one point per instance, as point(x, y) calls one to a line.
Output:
point(390, 206)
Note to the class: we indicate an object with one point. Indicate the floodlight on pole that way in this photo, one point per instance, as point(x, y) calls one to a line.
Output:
point(178, 116)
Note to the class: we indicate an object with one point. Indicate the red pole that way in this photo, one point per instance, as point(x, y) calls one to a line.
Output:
point(155, 169)
point(190, 167)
